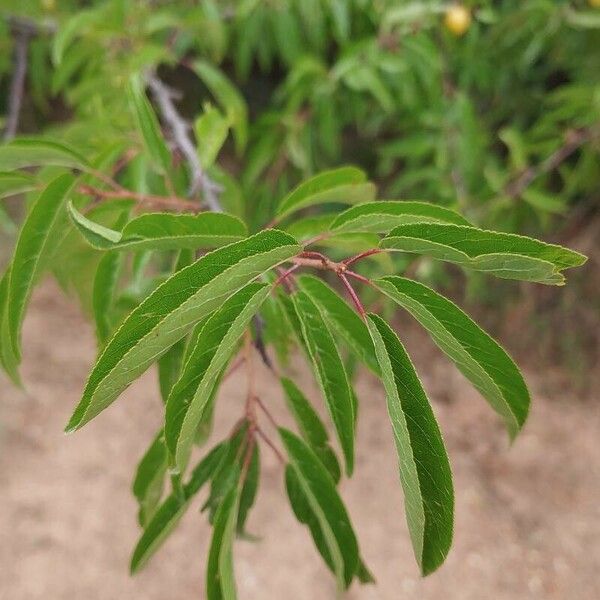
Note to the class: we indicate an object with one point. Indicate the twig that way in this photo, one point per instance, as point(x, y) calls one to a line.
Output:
point(17, 84)
point(353, 259)
point(267, 412)
point(361, 310)
point(166, 202)
point(181, 136)
point(249, 374)
point(234, 367)
point(359, 277)
point(283, 276)
point(271, 445)
point(574, 140)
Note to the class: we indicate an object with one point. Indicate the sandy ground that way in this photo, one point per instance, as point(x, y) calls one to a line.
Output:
point(527, 517)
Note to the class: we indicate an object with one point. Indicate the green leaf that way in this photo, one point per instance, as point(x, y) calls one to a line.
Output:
point(169, 368)
point(302, 509)
point(214, 347)
point(148, 125)
point(231, 101)
point(383, 215)
point(319, 489)
point(168, 313)
point(330, 373)
point(149, 479)
point(34, 152)
point(227, 475)
point(71, 28)
point(479, 358)
point(8, 360)
point(424, 468)
point(504, 255)
point(13, 183)
point(344, 319)
point(211, 130)
point(220, 583)
point(163, 231)
point(172, 509)
point(105, 284)
point(346, 185)
point(33, 248)
point(249, 490)
point(311, 428)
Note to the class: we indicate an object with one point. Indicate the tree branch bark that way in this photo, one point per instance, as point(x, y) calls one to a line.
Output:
point(200, 182)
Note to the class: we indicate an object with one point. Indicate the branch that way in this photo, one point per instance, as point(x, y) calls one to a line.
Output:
point(17, 84)
point(574, 140)
point(181, 136)
point(166, 202)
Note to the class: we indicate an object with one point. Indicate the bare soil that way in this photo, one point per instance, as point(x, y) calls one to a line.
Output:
point(527, 516)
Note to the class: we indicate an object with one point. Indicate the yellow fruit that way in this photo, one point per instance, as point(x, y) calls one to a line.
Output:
point(458, 19)
point(594, 3)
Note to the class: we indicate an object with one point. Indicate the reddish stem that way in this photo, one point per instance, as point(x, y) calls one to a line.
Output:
point(267, 412)
point(362, 255)
point(358, 276)
point(361, 310)
point(286, 274)
point(271, 445)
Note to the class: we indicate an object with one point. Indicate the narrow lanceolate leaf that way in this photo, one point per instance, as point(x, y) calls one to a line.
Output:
point(346, 185)
point(311, 427)
point(383, 215)
point(173, 508)
point(149, 479)
point(103, 293)
point(171, 310)
point(424, 468)
point(33, 248)
point(504, 255)
point(169, 368)
point(148, 125)
point(214, 347)
point(344, 319)
point(8, 360)
point(249, 490)
point(34, 152)
point(304, 513)
point(479, 358)
point(211, 130)
point(330, 372)
point(220, 582)
point(13, 183)
point(163, 231)
point(231, 101)
point(334, 523)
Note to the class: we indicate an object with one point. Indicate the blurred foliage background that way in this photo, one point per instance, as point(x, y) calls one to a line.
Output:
point(491, 107)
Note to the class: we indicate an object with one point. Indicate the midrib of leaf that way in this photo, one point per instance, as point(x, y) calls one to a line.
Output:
point(171, 310)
